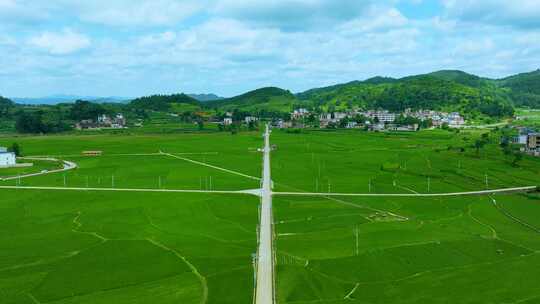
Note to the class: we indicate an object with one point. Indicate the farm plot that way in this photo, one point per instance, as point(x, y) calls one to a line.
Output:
point(144, 172)
point(425, 162)
point(136, 162)
point(65, 247)
point(421, 250)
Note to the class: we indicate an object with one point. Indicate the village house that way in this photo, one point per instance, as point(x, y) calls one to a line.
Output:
point(7, 159)
point(529, 141)
point(381, 116)
point(103, 121)
point(249, 119)
point(533, 144)
point(227, 121)
point(299, 113)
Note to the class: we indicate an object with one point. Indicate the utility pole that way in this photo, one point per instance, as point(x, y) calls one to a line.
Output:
point(159, 182)
point(328, 186)
point(87, 181)
point(369, 185)
point(210, 182)
point(428, 184)
point(64, 180)
point(112, 181)
point(487, 183)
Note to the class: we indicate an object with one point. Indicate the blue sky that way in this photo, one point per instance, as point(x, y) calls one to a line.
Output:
point(227, 47)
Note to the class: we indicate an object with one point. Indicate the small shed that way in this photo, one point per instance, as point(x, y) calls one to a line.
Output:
point(92, 153)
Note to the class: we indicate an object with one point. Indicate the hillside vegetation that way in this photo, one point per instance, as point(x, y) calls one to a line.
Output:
point(447, 90)
point(163, 102)
point(524, 89)
point(444, 90)
point(270, 99)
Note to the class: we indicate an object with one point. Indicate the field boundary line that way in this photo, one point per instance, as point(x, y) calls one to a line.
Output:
point(78, 225)
point(348, 296)
point(232, 243)
point(356, 205)
point(121, 154)
point(124, 190)
point(512, 217)
point(482, 192)
point(493, 231)
point(407, 189)
point(194, 269)
point(31, 296)
point(212, 166)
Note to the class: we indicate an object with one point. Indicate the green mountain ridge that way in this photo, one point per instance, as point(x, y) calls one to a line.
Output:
point(524, 88)
point(268, 99)
point(450, 90)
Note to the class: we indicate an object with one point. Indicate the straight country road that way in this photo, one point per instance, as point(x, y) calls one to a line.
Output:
point(265, 259)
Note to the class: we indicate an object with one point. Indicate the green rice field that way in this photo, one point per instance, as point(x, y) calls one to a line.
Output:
point(65, 246)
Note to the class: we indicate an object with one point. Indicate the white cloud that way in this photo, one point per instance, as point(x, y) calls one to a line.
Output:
point(377, 19)
point(139, 13)
point(519, 13)
point(297, 15)
point(60, 43)
point(230, 46)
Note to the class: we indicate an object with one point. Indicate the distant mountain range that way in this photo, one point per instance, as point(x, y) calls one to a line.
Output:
point(56, 99)
point(205, 97)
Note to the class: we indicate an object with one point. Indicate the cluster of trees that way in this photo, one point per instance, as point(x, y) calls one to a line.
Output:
point(161, 102)
point(41, 122)
point(6, 106)
point(82, 109)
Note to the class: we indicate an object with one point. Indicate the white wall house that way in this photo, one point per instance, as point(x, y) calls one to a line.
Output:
point(7, 159)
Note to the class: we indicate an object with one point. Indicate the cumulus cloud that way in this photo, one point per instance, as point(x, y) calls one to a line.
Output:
point(293, 14)
point(60, 43)
point(522, 13)
point(377, 19)
point(230, 46)
point(139, 13)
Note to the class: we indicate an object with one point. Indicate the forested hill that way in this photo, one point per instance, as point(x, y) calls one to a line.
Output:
point(524, 88)
point(442, 90)
point(162, 102)
point(270, 99)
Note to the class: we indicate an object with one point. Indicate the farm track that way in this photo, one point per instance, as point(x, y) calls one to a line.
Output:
point(67, 166)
